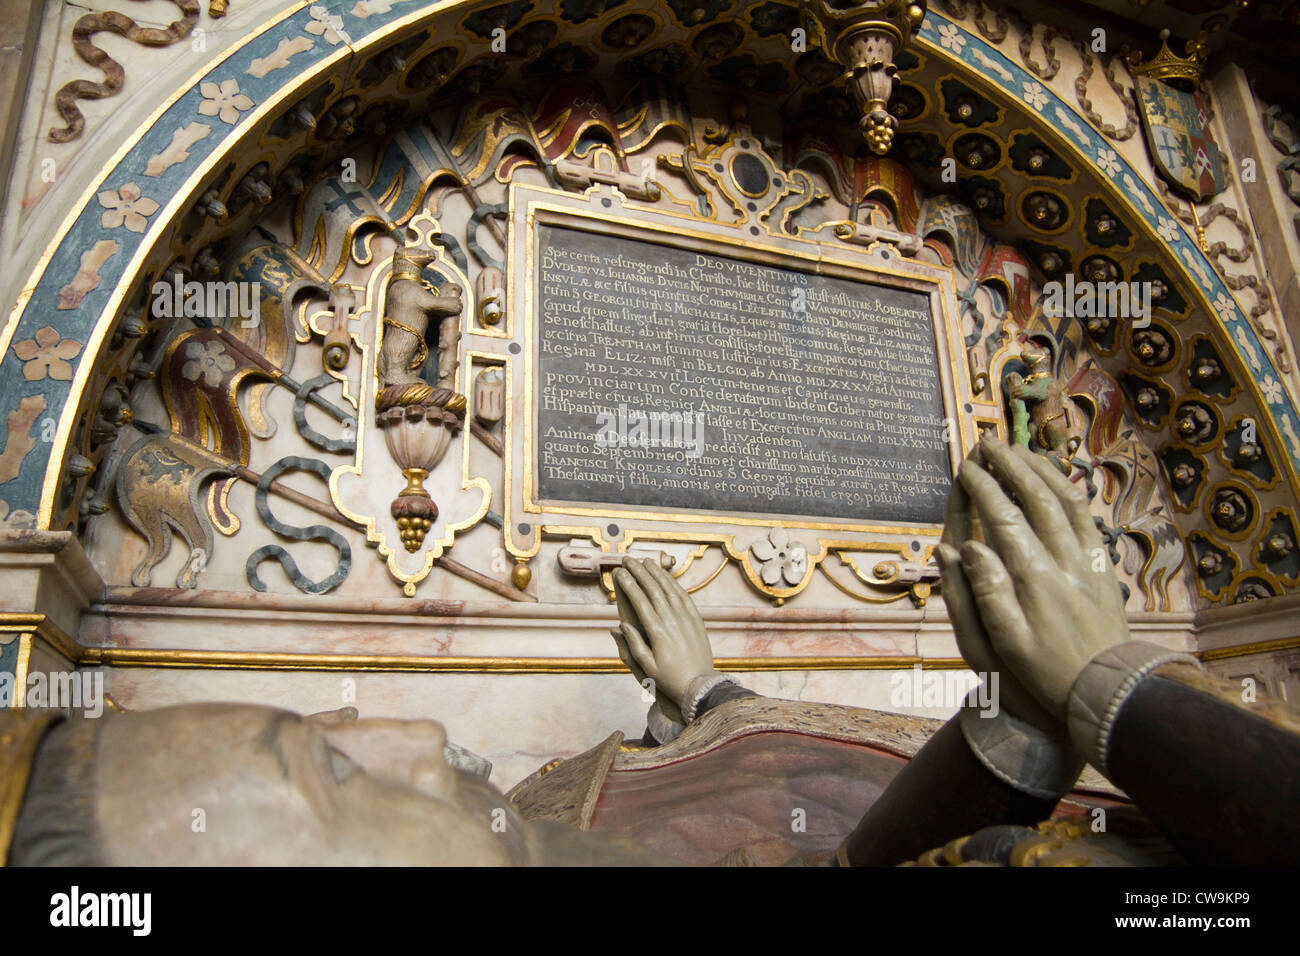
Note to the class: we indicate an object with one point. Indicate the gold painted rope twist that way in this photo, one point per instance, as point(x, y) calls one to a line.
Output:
point(395, 395)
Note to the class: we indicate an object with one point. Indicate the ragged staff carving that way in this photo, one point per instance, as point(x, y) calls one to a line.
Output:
point(418, 419)
point(204, 369)
point(202, 374)
point(281, 277)
point(159, 486)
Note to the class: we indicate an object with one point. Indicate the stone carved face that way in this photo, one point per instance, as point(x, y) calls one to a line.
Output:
point(275, 788)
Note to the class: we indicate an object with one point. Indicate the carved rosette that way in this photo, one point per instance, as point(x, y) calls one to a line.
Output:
point(865, 36)
point(418, 422)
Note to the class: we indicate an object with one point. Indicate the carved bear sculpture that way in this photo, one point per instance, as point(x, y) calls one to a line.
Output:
point(412, 304)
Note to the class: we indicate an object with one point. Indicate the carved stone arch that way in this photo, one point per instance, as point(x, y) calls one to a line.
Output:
point(343, 43)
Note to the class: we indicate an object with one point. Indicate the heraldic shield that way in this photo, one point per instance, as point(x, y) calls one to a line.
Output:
point(1178, 133)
